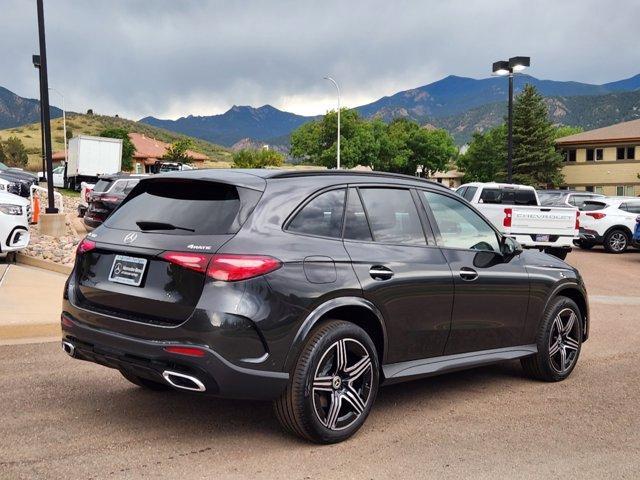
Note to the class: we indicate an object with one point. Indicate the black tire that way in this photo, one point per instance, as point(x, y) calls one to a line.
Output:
point(301, 407)
point(585, 245)
point(554, 367)
point(144, 382)
point(616, 241)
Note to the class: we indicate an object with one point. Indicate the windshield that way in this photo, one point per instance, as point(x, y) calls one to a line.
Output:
point(178, 206)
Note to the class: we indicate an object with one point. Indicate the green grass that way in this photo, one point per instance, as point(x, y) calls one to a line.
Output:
point(68, 193)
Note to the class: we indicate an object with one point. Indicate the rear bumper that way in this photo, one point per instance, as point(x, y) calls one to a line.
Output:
point(148, 359)
point(590, 236)
point(555, 241)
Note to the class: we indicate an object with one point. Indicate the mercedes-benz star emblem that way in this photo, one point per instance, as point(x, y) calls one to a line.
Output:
point(118, 269)
point(130, 237)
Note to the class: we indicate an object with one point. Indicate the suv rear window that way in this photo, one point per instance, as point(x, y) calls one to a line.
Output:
point(102, 186)
point(590, 206)
point(196, 207)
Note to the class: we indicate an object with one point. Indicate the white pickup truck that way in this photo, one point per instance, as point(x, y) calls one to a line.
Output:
point(516, 211)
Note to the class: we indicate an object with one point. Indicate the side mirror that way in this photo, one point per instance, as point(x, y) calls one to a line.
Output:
point(510, 248)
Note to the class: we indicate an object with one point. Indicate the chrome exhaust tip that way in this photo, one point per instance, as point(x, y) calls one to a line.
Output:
point(182, 381)
point(68, 348)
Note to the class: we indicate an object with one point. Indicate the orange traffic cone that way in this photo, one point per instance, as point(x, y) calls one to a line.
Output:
point(35, 217)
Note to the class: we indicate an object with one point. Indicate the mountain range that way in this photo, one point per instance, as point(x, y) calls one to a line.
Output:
point(16, 110)
point(461, 105)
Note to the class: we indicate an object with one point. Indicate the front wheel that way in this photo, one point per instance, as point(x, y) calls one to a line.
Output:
point(616, 241)
point(559, 342)
point(333, 385)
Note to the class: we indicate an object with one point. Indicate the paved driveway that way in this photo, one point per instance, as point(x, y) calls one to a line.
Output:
point(62, 418)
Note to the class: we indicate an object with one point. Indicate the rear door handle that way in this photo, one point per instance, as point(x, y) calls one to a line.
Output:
point(468, 274)
point(380, 272)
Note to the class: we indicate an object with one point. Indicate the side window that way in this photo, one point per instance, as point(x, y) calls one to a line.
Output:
point(393, 216)
point(468, 195)
point(356, 226)
point(130, 185)
point(631, 207)
point(461, 191)
point(459, 225)
point(322, 216)
point(119, 187)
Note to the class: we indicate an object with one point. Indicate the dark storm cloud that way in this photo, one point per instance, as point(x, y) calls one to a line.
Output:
point(170, 58)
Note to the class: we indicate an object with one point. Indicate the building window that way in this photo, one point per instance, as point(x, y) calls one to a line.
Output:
point(590, 154)
point(589, 188)
point(599, 190)
point(599, 154)
point(625, 153)
point(569, 155)
point(625, 191)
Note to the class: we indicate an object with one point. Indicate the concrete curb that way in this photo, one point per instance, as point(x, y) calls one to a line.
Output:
point(44, 264)
point(16, 332)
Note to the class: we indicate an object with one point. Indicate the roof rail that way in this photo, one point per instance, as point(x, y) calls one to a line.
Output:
point(351, 173)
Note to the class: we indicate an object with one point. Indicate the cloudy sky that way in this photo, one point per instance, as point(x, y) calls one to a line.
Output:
point(170, 58)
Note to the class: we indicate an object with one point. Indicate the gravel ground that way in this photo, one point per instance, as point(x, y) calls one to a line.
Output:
point(59, 250)
point(63, 418)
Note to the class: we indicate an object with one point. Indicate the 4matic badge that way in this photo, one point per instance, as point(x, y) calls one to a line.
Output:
point(199, 247)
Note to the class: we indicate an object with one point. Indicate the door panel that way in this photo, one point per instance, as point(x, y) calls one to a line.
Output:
point(416, 301)
point(407, 280)
point(491, 292)
point(490, 310)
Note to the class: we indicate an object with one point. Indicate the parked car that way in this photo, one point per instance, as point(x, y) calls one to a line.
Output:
point(16, 181)
point(569, 198)
point(635, 241)
point(609, 222)
point(516, 211)
point(106, 195)
point(85, 193)
point(312, 289)
point(14, 223)
point(58, 176)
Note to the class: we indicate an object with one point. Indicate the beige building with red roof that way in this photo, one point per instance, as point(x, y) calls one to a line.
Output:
point(147, 152)
point(605, 160)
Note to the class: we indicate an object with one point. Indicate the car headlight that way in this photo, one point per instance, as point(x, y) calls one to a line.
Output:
point(10, 209)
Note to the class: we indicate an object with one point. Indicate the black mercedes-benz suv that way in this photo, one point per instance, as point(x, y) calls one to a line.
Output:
point(312, 289)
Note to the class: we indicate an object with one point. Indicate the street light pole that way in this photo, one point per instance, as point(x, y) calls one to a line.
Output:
point(509, 67)
point(338, 143)
point(44, 105)
point(64, 121)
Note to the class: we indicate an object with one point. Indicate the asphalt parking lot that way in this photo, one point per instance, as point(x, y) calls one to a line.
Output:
point(62, 418)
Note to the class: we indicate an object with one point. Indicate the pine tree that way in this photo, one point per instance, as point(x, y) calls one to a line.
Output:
point(535, 159)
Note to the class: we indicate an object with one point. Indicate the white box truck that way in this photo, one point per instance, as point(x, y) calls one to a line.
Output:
point(89, 157)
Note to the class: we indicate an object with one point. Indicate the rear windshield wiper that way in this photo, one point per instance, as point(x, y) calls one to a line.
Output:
point(144, 225)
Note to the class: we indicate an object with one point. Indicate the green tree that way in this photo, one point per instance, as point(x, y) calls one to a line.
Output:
point(536, 161)
point(13, 153)
point(127, 146)
point(69, 133)
point(177, 151)
point(399, 146)
point(566, 130)
point(257, 158)
point(486, 158)
point(316, 141)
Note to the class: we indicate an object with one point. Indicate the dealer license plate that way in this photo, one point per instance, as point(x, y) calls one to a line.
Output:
point(128, 270)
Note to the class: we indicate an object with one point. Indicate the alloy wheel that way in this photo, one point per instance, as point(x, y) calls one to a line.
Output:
point(342, 384)
point(618, 241)
point(564, 342)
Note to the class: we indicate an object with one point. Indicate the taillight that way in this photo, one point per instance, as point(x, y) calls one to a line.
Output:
point(577, 220)
point(193, 261)
point(109, 199)
point(224, 267)
point(187, 351)
point(87, 194)
point(85, 246)
point(508, 212)
point(596, 215)
point(230, 268)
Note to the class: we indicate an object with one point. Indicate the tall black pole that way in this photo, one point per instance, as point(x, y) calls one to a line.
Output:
point(510, 131)
point(44, 152)
point(44, 106)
